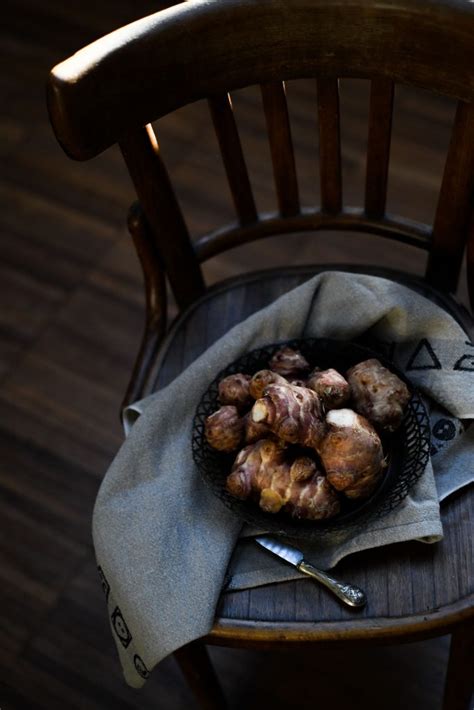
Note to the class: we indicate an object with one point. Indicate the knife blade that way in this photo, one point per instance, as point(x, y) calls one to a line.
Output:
point(348, 593)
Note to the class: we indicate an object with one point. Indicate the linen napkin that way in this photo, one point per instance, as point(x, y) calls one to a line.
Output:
point(163, 541)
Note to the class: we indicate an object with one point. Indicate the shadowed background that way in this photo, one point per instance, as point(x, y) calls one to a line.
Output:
point(70, 324)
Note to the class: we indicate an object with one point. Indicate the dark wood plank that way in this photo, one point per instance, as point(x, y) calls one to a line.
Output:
point(72, 316)
point(281, 147)
point(329, 145)
point(156, 195)
point(233, 157)
point(378, 146)
point(454, 209)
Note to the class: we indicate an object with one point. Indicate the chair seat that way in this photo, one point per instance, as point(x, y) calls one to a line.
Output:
point(413, 589)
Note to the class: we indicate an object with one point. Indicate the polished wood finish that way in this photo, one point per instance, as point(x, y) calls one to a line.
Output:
point(329, 146)
point(168, 229)
point(455, 205)
point(269, 42)
point(281, 147)
point(233, 158)
point(378, 146)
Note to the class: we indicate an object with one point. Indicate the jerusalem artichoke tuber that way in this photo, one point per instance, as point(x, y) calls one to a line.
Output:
point(261, 471)
point(351, 453)
point(255, 430)
point(378, 394)
point(262, 379)
point(289, 363)
point(234, 390)
point(290, 411)
point(224, 429)
point(332, 388)
point(294, 414)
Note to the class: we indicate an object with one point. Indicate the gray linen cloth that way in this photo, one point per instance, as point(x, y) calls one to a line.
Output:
point(163, 541)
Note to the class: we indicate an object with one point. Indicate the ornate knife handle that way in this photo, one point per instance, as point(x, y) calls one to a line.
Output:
point(348, 593)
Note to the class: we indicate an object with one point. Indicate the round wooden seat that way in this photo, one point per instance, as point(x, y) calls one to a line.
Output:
point(413, 589)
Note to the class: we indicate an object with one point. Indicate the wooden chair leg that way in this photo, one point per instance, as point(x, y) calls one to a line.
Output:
point(199, 672)
point(460, 674)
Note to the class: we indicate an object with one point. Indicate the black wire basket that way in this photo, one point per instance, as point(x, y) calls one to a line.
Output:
point(406, 449)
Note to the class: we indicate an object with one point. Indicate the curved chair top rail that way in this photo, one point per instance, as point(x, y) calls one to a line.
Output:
point(196, 50)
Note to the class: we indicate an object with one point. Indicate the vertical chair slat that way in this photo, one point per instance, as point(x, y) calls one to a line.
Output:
point(142, 156)
point(329, 145)
point(455, 203)
point(233, 157)
point(281, 147)
point(378, 146)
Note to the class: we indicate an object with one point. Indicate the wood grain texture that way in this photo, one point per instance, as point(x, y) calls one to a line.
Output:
point(70, 324)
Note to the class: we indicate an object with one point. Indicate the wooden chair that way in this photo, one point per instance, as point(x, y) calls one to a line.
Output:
point(109, 93)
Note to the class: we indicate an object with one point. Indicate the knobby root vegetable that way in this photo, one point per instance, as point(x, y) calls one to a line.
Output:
point(378, 394)
point(255, 430)
point(302, 468)
point(294, 414)
point(289, 363)
point(262, 379)
point(351, 453)
point(234, 390)
point(297, 382)
point(332, 388)
point(224, 429)
point(261, 471)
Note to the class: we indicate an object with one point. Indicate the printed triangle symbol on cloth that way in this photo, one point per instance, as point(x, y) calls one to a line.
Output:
point(466, 363)
point(423, 357)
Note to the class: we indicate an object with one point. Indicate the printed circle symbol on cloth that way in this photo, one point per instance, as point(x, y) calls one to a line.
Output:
point(140, 667)
point(120, 627)
point(104, 583)
point(444, 429)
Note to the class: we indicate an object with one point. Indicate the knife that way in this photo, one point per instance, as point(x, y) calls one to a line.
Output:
point(347, 593)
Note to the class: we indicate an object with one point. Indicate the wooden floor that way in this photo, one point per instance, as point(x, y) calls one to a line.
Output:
point(70, 320)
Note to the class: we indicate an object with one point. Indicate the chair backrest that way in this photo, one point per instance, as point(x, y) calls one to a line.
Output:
point(112, 90)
